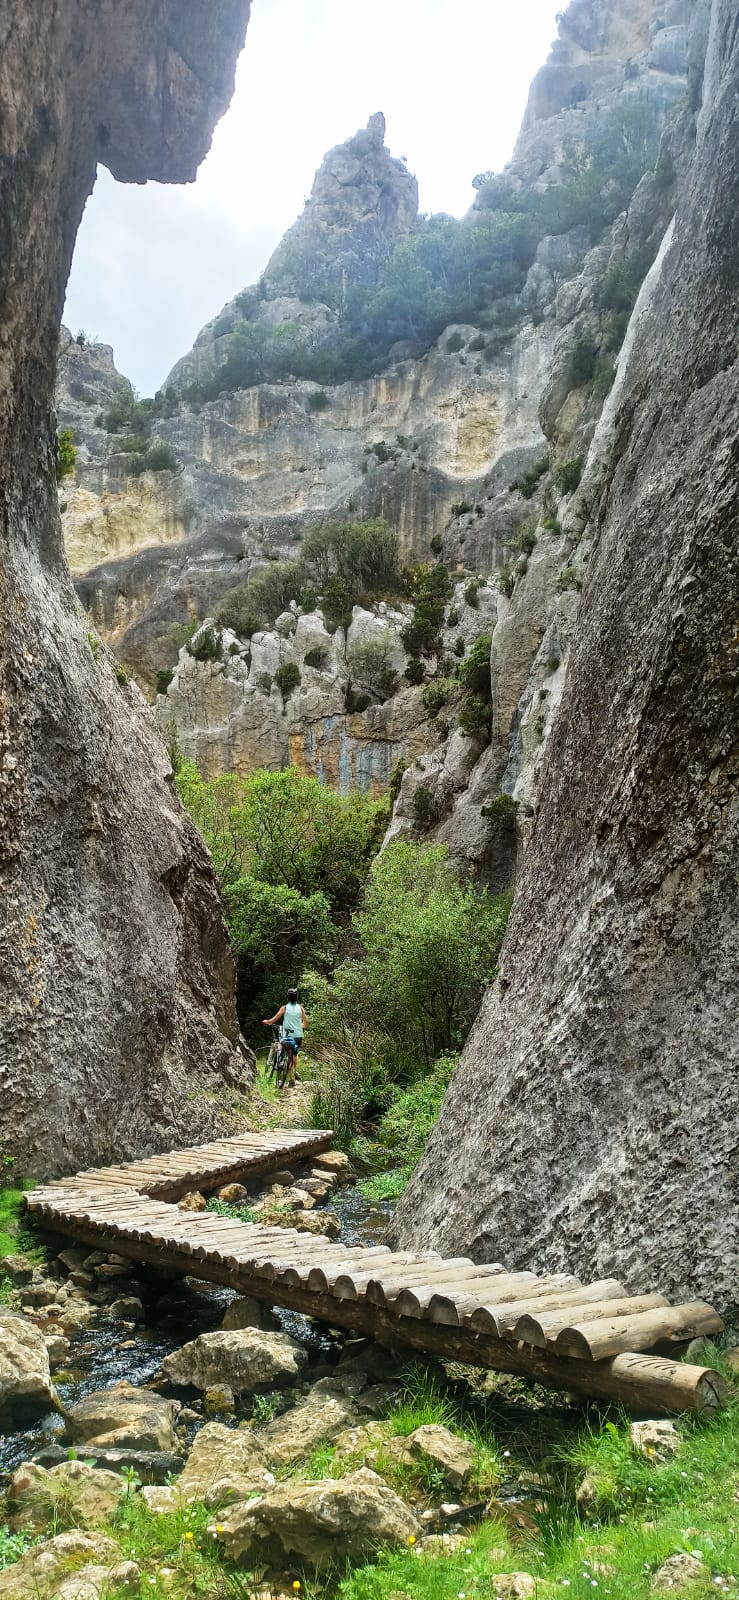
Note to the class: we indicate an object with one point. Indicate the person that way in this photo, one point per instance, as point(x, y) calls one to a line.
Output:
point(293, 1022)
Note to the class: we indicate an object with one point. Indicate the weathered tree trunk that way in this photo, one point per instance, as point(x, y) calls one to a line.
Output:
point(592, 1123)
point(116, 981)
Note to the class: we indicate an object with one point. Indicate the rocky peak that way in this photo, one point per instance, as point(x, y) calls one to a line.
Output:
point(362, 202)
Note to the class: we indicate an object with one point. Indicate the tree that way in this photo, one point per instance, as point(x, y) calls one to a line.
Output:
point(275, 933)
point(66, 454)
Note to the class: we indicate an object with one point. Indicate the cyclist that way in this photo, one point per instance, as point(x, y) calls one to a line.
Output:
point(293, 1021)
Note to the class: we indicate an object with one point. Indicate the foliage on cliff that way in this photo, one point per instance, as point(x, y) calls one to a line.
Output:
point(347, 563)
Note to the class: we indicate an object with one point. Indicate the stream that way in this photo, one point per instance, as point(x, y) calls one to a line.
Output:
point(111, 1351)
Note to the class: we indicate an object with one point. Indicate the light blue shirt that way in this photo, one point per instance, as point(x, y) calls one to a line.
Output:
point(292, 1021)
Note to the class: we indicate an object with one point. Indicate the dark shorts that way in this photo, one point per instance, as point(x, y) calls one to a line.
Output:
point(292, 1042)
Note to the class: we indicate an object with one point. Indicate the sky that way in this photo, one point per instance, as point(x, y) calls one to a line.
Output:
point(153, 263)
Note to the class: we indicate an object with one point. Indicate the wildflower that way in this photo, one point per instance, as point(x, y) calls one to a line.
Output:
point(189, 1536)
point(411, 1538)
point(219, 1527)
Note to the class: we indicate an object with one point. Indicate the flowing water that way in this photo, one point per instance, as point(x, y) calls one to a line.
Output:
point(111, 1352)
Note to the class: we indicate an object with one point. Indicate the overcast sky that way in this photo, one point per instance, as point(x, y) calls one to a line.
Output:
point(154, 263)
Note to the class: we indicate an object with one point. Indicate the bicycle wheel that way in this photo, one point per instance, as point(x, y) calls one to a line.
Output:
point(282, 1071)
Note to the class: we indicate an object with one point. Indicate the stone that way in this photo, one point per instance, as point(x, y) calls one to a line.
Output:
point(234, 1194)
point(283, 1179)
point(513, 1586)
point(224, 1464)
point(320, 1223)
point(97, 1583)
point(89, 1495)
point(93, 1259)
point(195, 1201)
point(75, 1257)
point(57, 1346)
point(218, 1400)
point(26, 1389)
point(17, 1268)
point(129, 1308)
point(92, 808)
point(293, 1436)
point(124, 1416)
point(455, 1457)
point(440, 1544)
point(336, 1163)
point(681, 1572)
point(151, 1466)
point(76, 1315)
point(656, 1440)
point(162, 1499)
point(43, 1293)
point(246, 1359)
point(246, 1312)
point(114, 1269)
point(731, 1359)
point(324, 1523)
point(83, 1280)
point(38, 1574)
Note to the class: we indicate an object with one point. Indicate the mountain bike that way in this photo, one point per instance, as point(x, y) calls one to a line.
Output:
point(278, 1060)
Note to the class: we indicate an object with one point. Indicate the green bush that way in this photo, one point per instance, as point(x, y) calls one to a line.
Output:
point(506, 578)
point(527, 482)
point(436, 545)
point(452, 617)
point(436, 694)
point(161, 458)
point(582, 359)
point(603, 378)
point(66, 454)
point(568, 475)
point(460, 508)
point(478, 343)
point(370, 663)
point(474, 718)
point(163, 679)
point(415, 671)
point(318, 400)
point(287, 678)
point(474, 672)
point(264, 682)
point(318, 658)
point(430, 942)
point(503, 807)
point(454, 343)
point(396, 778)
point(427, 809)
point(525, 539)
point(471, 594)
point(429, 588)
point(275, 933)
point(122, 676)
point(236, 612)
point(207, 645)
point(570, 578)
point(459, 646)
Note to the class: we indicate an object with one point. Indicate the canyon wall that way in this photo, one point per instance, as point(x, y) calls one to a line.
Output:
point(591, 1125)
point(116, 981)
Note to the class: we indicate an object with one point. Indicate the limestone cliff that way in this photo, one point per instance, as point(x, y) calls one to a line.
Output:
point(435, 440)
point(116, 984)
point(592, 1122)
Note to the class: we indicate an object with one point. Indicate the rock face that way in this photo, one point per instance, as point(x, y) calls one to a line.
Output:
point(116, 986)
point(603, 1067)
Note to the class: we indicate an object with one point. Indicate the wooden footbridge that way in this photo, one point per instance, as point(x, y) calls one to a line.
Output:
point(592, 1338)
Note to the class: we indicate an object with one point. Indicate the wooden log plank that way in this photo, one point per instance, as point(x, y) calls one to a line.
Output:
point(455, 1310)
point(543, 1328)
point(595, 1341)
point(475, 1287)
point(353, 1284)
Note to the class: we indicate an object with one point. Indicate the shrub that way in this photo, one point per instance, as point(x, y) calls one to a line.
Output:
point(452, 617)
point(474, 718)
point(318, 400)
point(275, 932)
point(506, 578)
point(94, 646)
point(396, 778)
point(369, 661)
point(471, 594)
point(568, 475)
point(429, 587)
point(460, 508)
point(474, 672)
point(436, 545)
point(525, 539)
point(527, 482)
point(122, 676)
point(553, 662)
point(552, 525)
point(66, 454)
point(454, 343)
point(287, 678)
point(478, 343)
point(264, 682)
point(570, 578)
point(381, 450)
point(582, 359)
point(356, 700)
point(161, 458)
point(236, 611)
point(318, 658)
point(207, 645)
point(603, 378)
point(163, 679)
point(415, 671)
point(503, 807)
point(459, 646)
point(427, 809)
point(436, 694)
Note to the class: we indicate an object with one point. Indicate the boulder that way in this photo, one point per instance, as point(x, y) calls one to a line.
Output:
point(243, 1358)
point(283, 1179)
point(76, 1315)
point(453, 1456)
point(655, 1440)
point(195, 1201)
point(98, 1583)
point(75, 1256)
point(88, 1495)
point(513, 1585)
point(39, 1572)
point(323, 1222)
point(323, 1524)
point(316, 1421)
point(680, 1572)
point(336, 1163)
point(151, 1466)
point(18, 1268)
point(234, 1194)
point(57, 1347)
point(225, 1464)
point(246, 1312)
point(26, 1389)
point(124, 1415)
point(218, 1400)
point(129, 1308)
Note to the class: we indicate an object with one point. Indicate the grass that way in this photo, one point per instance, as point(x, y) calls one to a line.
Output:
point(14, 1239)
